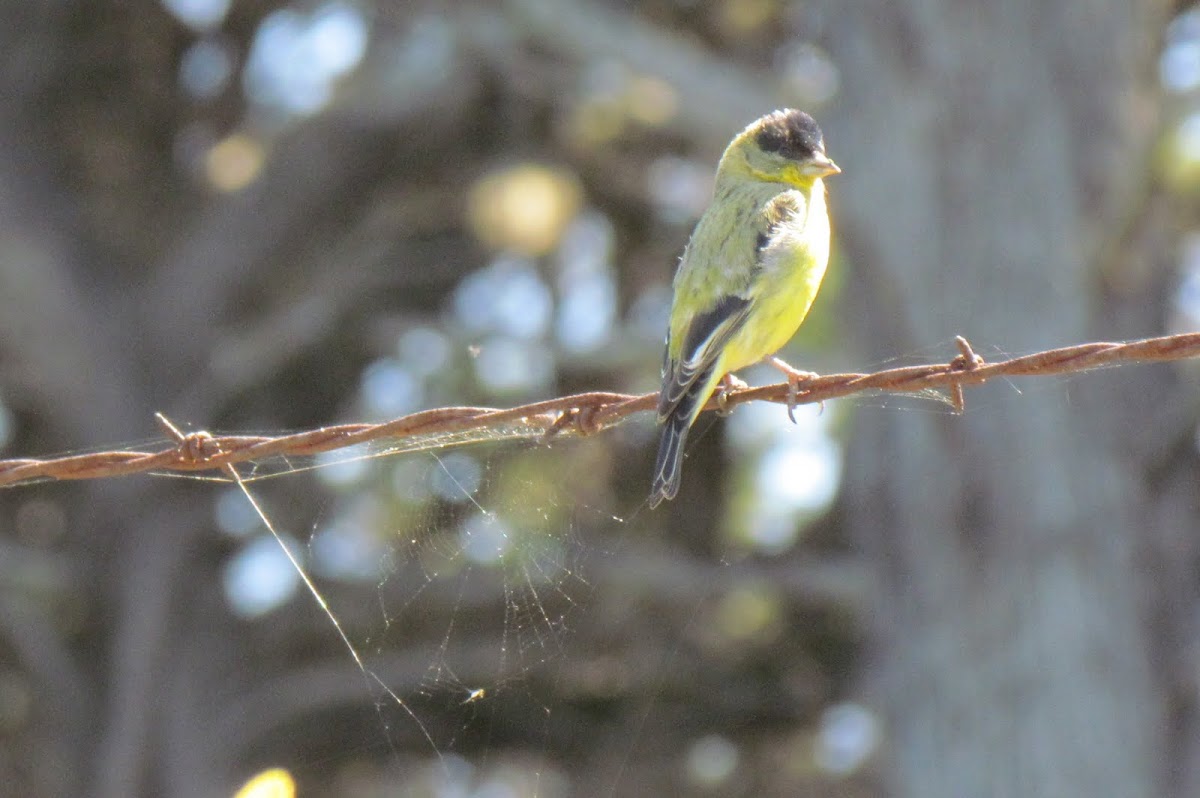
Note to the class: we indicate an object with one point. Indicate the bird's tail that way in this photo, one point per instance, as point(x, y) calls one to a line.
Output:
point(669, 467)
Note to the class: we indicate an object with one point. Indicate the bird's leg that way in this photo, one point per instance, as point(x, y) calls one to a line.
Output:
point(728, 383)
point(794, 377)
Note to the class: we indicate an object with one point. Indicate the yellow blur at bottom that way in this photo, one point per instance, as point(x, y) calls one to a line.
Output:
point(273, 783)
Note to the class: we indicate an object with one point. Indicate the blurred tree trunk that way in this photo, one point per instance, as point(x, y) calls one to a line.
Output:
point(991, 150)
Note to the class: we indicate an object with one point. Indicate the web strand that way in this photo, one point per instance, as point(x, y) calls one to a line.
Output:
point(368, 675)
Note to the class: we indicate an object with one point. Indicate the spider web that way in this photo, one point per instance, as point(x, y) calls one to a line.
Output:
point(451, 577)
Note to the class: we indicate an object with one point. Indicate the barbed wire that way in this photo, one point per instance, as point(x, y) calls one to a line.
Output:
point(579, 414)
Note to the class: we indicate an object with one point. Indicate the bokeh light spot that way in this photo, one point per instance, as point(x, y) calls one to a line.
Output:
point(389, 389)
point(712, 760)
point(424, 350)
point(295, 59)
point(524, 208)
point(680, 189)
point(348, 549)
point(200, 15)
point(587, 309)
point(205, 69)
point(1179, 64)
point(740, 18)
point(748, 613)
point(457, 477)
point(235, 515)
point(509, 296)
point(485, 539)
point(508, 365)
point(343, 467)
point(338, 37)
point(234, 162)
point(273, 783)
point(652, 101)
point(809, 73)
point(1180, 155)
point(801, 474)
point(259, 578)
point(587, 313)
point(849, 734)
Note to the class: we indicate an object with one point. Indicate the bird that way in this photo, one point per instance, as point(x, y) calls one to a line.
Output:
point(748, 275)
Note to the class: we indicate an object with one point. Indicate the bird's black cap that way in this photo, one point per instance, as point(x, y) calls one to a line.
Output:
point(793, 134)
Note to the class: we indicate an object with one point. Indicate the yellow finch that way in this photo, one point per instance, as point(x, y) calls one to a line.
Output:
point(748, 275)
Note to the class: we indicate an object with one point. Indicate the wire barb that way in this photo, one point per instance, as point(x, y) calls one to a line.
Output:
point(580, 420)
point(967, 360)
point(582, 414)
point(194, 448)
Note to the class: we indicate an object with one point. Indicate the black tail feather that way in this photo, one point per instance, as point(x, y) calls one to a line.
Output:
point(668, 468)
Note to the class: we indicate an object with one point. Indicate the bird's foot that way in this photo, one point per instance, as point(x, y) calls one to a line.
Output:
point(727, 384)
point(795, 378)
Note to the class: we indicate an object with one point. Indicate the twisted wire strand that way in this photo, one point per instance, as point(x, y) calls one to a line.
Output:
point(579, 414)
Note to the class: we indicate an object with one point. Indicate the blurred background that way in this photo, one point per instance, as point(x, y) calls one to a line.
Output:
point(263, 216)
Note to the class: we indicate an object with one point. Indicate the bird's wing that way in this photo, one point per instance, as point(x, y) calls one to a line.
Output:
point(708, 332)
point(706, 335)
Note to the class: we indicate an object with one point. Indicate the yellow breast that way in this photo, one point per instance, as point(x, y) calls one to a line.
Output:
point(791, 273)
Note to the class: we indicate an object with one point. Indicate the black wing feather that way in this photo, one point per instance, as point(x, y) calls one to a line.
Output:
point(706, 335)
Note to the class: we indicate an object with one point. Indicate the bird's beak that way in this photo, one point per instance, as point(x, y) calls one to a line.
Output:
point(820, 166)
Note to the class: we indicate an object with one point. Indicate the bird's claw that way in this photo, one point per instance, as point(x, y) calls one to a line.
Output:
point(795, 377)
point(728, 384)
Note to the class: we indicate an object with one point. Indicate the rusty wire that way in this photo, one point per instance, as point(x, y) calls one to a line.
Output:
point(580, 414)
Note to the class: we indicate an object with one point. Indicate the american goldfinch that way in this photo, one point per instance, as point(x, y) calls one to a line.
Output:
point(748, 275)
